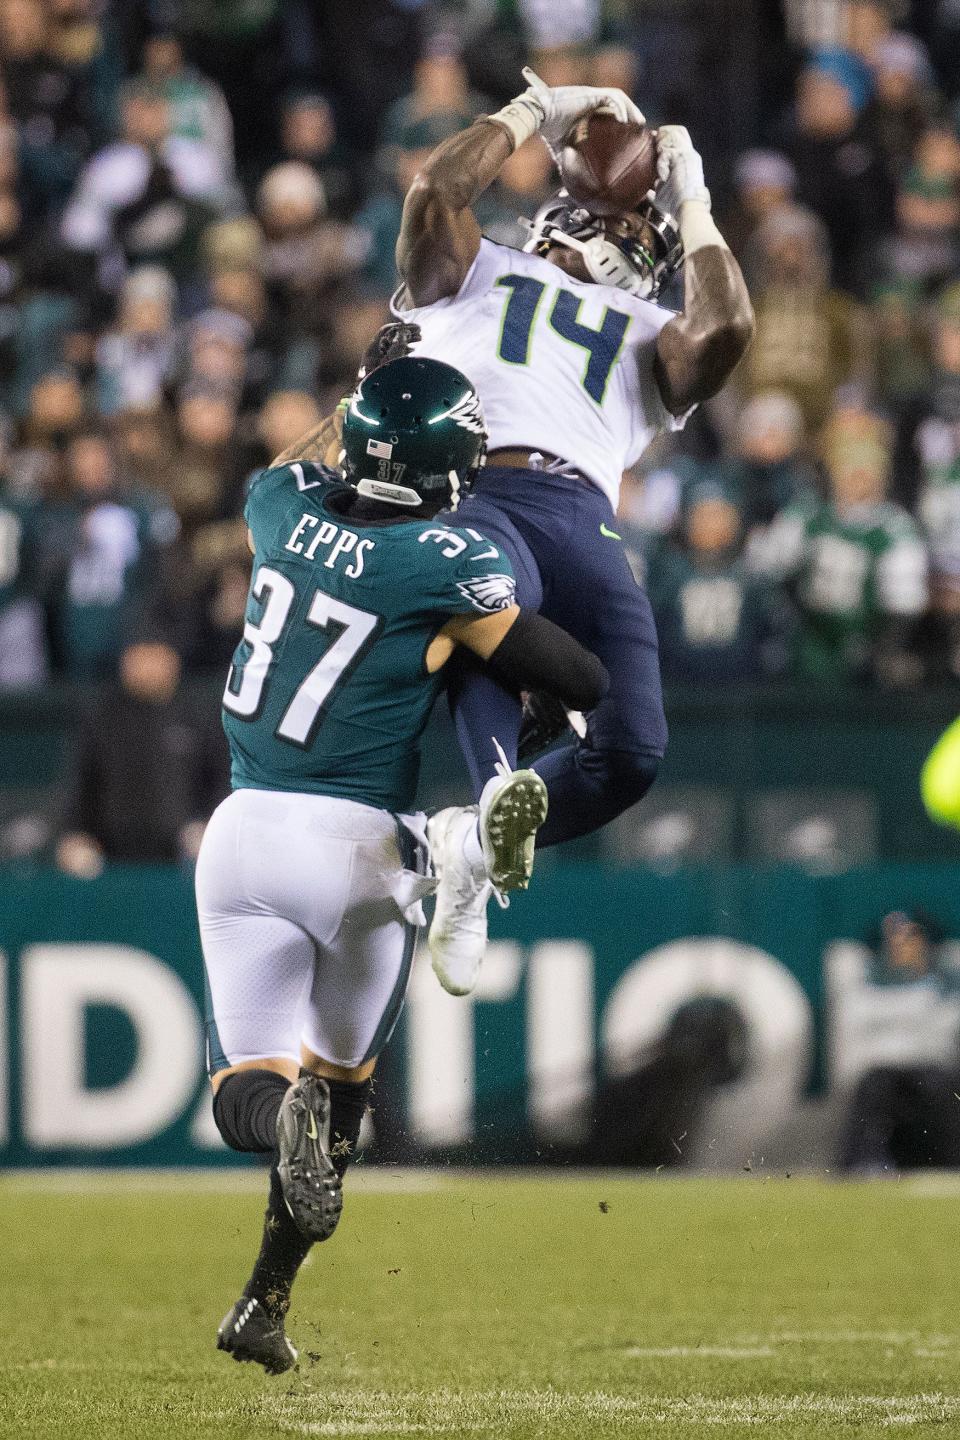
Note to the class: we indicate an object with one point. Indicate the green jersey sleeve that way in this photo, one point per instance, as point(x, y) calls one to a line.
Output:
point(470, 574)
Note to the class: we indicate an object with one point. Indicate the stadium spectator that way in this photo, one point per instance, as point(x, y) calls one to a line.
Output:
point(135, 360)
point(899, 1024)
point(23, 656)
point(197, 108)
point(308, 134)
point(149, 770)
point(206, 478)
point(903, 364)
point(304, 253)
point(215, 357)
point(869, 23)
point(938, 637)
point(854, 561)
point(145, 450)
point(930, 449)
point(369, 65)
point(765, 182)
point(146, 197)
point(839, 174)
point(769, 468)
point(237, 47)
point(440, 95)
point(56, 410)
point(717, 623)
point(101, 550)
point(50, 102)
point(379, 216)
point(358, 313)
point(207, 616)
point(924, 246)
point(810, 339)
point(286, 415)
point(902, 101)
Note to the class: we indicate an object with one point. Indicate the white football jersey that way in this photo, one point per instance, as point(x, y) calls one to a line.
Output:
point(561, 365)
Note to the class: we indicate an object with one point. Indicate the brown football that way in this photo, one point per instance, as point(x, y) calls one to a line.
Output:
point(609, 165)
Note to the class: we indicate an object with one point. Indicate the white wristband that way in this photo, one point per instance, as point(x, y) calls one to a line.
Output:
point(697, 227)
point(521, 119)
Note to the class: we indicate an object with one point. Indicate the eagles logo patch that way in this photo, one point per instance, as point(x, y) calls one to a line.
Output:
point(489, 593)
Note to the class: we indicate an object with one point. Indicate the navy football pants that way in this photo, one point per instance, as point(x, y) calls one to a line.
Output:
point(556, 532)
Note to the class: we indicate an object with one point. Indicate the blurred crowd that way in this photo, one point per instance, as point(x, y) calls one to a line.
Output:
point(198, 209)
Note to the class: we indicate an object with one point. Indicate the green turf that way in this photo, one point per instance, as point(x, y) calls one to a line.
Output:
point(492, 1307)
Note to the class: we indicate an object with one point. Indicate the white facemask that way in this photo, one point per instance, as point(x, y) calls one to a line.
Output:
point(605, 261)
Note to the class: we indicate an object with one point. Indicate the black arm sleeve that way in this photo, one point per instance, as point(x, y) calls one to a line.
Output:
point(535, 654)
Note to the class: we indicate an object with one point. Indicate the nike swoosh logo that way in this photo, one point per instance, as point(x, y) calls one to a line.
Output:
point(610, 534)
point(312, 1127)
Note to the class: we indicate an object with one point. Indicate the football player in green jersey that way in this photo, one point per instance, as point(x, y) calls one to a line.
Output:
point(311, 874)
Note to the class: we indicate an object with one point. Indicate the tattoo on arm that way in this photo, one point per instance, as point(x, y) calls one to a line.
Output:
point(439, 235)
point(697, 352)
point(321, 444)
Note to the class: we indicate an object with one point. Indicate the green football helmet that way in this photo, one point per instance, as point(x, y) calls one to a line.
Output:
point(414, 435)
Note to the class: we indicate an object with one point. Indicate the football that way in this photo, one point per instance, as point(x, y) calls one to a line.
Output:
point(609, 165)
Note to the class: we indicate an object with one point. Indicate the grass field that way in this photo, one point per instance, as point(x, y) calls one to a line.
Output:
point(578, 1307)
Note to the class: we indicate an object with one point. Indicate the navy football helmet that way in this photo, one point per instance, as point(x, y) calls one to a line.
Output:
point(639, 264)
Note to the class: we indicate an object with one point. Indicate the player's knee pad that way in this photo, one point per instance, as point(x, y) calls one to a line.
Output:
point(245, 1109)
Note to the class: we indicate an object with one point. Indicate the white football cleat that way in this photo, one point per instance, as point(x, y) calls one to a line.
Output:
point(512, 808)
point(458, 930)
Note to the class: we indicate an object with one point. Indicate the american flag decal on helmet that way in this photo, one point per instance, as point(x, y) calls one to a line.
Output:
point(489, 593)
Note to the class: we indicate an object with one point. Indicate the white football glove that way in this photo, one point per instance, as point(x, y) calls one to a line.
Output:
point(563, 105)
point(680, 170)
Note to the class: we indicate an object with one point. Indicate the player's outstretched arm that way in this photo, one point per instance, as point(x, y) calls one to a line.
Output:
point(439, 235)
point(697, 351)
point(527, 652)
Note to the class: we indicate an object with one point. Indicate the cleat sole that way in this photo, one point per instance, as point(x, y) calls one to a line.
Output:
point(510, 829)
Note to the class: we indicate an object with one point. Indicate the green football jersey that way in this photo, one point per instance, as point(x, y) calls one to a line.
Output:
point(329, 691)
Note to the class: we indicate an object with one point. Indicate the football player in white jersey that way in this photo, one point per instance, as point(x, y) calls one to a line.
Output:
point(578, 369)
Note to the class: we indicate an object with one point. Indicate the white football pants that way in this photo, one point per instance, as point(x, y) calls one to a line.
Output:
point(308, 912)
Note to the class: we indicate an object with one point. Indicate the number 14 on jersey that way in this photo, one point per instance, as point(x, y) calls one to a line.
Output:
point(602, 346)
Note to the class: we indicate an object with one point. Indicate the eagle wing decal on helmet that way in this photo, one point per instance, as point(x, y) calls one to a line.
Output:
point(468, 414)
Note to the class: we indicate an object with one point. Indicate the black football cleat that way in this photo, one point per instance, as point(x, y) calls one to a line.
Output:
point(248, 1333)
point(310, 1184)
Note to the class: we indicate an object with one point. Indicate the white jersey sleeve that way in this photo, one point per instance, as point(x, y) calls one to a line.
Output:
point(561, 365)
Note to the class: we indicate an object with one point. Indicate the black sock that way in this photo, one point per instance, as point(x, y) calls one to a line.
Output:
point(348, 1103)
point(282, 1252)
point(246, 1107)
point(283, 1248)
